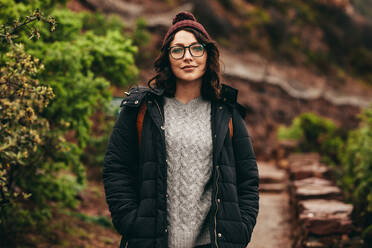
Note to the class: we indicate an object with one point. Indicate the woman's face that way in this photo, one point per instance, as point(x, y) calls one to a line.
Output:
point(188, 68)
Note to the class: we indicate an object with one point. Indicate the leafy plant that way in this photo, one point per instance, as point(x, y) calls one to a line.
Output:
point(35, 163)
point(316, 134)
point(47, 125)
point(356, 174)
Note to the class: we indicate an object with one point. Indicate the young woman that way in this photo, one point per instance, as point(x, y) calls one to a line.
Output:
point(180, 171)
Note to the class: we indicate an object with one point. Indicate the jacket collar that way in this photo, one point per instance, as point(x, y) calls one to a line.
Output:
point(228, 93)
point(136, 94)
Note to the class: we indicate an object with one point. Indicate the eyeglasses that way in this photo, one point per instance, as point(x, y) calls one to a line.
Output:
point(196, 50)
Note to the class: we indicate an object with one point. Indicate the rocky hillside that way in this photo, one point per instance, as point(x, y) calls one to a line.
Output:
point(286, 57)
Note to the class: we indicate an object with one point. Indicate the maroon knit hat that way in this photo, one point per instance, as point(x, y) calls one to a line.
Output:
point(182, 20)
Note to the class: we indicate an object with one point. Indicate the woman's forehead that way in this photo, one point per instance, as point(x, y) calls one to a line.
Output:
point(183, 37)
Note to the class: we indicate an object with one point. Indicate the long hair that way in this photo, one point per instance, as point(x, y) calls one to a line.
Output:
point(164, 78)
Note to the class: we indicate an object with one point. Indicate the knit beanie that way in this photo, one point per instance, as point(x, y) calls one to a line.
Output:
point(182, 20)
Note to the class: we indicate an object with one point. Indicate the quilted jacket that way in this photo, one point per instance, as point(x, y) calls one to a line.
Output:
point(135, 182)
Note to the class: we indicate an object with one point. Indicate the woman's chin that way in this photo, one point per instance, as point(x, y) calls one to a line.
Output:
point(189, 80)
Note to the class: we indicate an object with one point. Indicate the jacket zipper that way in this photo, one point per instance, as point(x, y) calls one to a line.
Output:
point(162, 127)
point(162, 118)
point(215, 214)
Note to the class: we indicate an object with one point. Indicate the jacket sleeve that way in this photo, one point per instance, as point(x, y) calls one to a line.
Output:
point(119, 171)
point(247, 172)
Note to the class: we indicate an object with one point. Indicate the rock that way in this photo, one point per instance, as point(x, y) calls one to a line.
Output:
point(165, 19)
point(339, 241)
point(312, 180)
point(312, 191)
point(306, 171)
point(212, 16)
point(270, 174)
point(303, 166)
point(123, 8)
point(272, 179)
point(325, 217)
point(273, 187)
point(314, 244)
point(314, 188)
point(304, 157)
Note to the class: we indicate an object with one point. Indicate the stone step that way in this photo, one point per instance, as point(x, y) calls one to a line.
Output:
point(301, 166)
point(304, 158)
point(269, 173)
point(339, 241)
point(325, 217)
point(312, 180)
point(314, 188)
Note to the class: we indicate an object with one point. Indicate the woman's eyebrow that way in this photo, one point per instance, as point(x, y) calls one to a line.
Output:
point(181, 44)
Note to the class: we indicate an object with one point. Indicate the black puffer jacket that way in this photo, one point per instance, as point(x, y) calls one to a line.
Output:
point(135, 176)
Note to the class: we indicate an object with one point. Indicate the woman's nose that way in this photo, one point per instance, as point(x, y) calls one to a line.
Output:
point(187, 54)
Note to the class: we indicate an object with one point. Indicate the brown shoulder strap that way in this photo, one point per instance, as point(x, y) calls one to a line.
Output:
point(140, 117)
point(231, 128)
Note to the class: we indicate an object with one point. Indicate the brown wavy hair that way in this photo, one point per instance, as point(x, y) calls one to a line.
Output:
point(164, 78)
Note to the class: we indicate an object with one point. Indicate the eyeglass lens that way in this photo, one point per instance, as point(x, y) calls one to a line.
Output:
point(196, 50)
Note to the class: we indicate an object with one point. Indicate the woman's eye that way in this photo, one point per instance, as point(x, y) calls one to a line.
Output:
point(198, 48)
point(177, 50)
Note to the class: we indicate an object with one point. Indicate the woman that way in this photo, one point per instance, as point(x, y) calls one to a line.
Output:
point(180, 170)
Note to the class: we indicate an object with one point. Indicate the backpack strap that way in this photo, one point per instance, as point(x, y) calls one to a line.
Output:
point(231, 128)
point(140, 117)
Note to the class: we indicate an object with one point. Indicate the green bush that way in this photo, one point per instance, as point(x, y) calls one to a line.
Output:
point(81, 68)
point(37, 165)
point(41, 151)
point(356, 174)
point(315, 134)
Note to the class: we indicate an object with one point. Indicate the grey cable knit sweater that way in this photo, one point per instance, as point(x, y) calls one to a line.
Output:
point(188, 138)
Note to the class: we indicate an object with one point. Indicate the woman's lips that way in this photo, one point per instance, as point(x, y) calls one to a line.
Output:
point(188, 68)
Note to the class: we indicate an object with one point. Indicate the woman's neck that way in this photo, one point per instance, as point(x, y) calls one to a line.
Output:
point(186, 91)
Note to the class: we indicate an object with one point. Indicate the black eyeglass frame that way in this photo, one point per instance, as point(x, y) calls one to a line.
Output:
point(184, 50)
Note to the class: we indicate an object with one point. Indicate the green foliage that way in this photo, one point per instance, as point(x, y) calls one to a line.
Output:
point(356, 174)
point(100, 24)
point(294, 132)
point(77, 69)
point(316, 134)
point(94, 51)
point(97, 143)
point(11, 10)
point(141, 38)
point(36, 165)
point(99, 220)
point(42, 149)
point(22, 99)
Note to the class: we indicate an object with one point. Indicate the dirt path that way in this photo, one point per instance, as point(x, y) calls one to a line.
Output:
point(273, 222)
